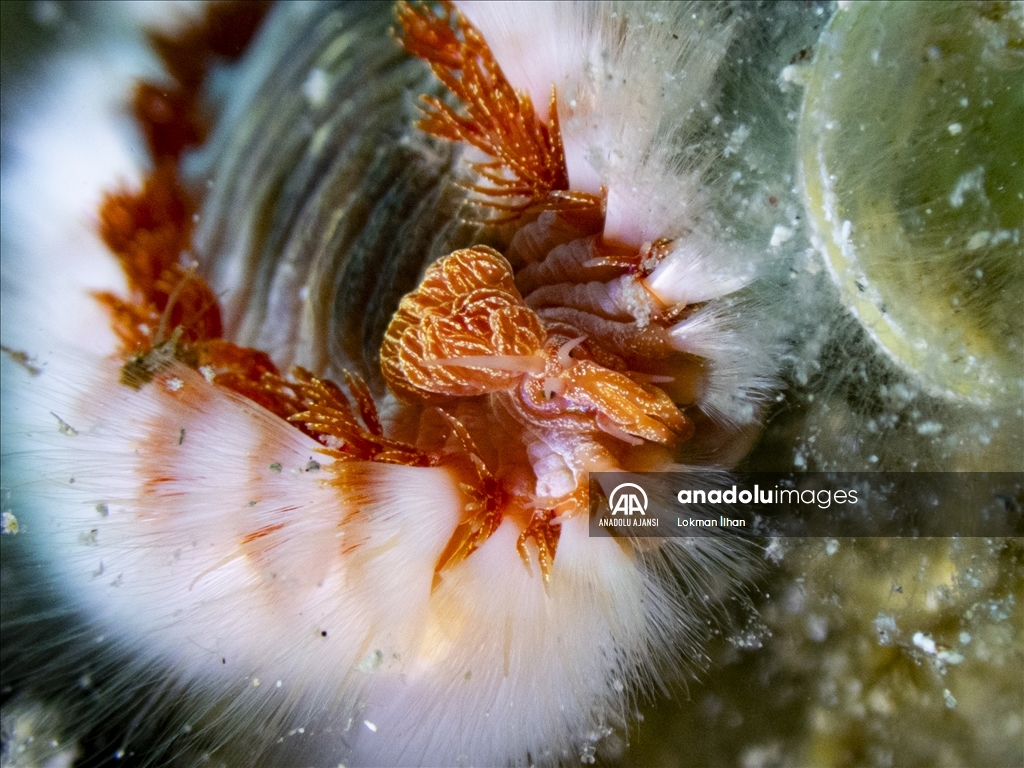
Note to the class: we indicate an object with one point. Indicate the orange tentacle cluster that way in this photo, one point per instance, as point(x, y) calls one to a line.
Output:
point(528, 161)
point(544, 530)
point(466, 308)
point(482, 516)
point(328, 416)
point(466, 331)
point(149, 232)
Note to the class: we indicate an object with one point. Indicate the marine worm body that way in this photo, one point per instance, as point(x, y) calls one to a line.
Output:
point(315, 391)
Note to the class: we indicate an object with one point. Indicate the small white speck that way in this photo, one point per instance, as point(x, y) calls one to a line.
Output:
point(775, 551)
point(925, 643)
point(950, 657)
point(816, 628)
point(948, 698)
point(929, 428)
point(208, 373)
point(372, 662)
point(255, 682)
point(886, 628)
point(831, 547)
point(971, 181)
point(964, 101)
point(780, 235)
point(370, 726)
point(978, 240)
point(8, 523)
point(955, 129)
point(316, 87)
point(847, 230)
point(277, 684)
point(794, 73)
point(175, 384)
point(587, 752)
point(736, 139)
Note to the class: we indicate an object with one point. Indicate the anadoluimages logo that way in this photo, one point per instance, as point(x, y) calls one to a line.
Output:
point(627, 502)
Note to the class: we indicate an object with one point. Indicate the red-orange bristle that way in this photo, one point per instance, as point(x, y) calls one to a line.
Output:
point(150, 231)
point(169, 114)
point(544, 532)
point(529, 161)
point(169, 118)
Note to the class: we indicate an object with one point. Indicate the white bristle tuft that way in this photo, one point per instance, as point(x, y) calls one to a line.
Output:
point(217, 543)
point(624, 99)
point(740, 344)
point(701, 268)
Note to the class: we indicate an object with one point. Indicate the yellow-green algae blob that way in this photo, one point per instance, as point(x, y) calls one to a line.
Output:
point(912, 161)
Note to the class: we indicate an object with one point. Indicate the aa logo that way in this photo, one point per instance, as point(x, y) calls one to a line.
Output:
point(627, 501)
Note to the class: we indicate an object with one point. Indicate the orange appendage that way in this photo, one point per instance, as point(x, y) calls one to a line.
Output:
point(490, 497)
point(483, 515)
point(328, 416)
point(626, 409)
point(169, 114)
point(222, 30)
point(544, 530)
point(318, 407)
point(528, 159)
point(466, 331)
point(467, 309)
point(169, 117)
point(150, 233)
